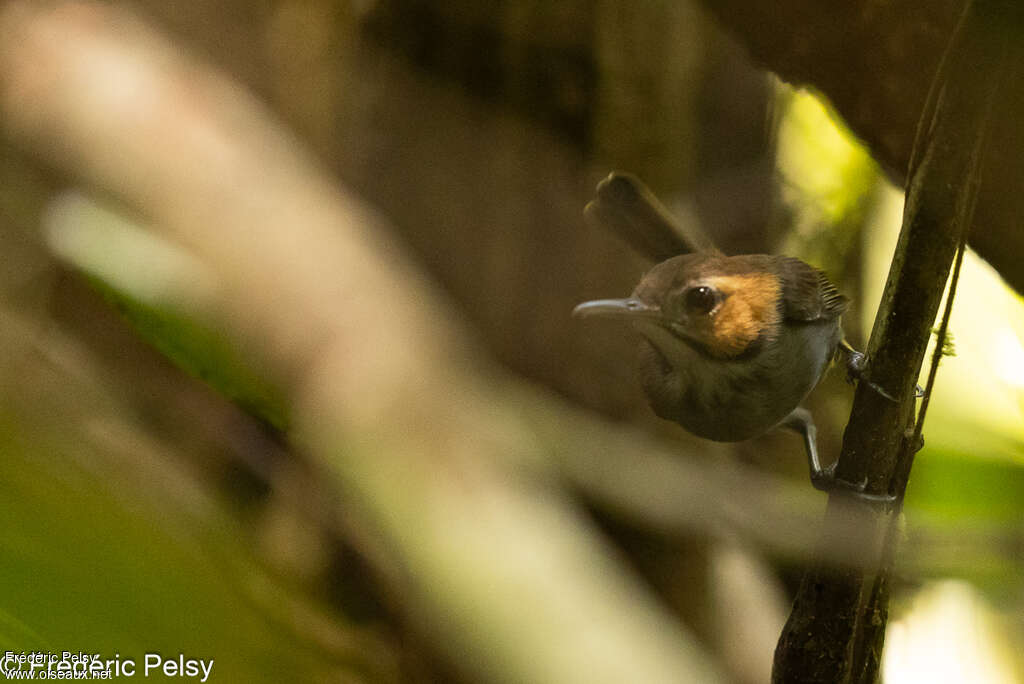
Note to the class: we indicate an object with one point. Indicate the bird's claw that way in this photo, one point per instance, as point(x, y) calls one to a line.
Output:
point(825, 480)
point(856, 370)
point(909, 435)
point(878, 388)
point(856, 364)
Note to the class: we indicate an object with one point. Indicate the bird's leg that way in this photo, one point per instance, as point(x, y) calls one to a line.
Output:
point(857, 366)
point(824, 478)
point(800, 420)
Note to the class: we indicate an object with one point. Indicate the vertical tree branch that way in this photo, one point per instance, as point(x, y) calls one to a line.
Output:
point(837, 626)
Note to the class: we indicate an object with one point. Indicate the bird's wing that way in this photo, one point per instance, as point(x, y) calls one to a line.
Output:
point(807, 293)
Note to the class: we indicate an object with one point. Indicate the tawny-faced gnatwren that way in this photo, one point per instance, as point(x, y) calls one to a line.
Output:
point(731, 345)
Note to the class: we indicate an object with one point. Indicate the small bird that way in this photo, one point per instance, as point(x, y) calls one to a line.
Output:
point(731, 345)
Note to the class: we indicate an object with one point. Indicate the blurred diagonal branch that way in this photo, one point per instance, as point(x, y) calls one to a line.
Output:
point(387, 393)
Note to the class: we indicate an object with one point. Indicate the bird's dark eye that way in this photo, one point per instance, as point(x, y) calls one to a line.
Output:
point(701, 299)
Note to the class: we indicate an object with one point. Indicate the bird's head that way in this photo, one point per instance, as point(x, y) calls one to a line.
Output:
point(719, 306)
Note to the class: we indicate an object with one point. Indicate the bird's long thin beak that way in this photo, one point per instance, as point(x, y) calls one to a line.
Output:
point(629, 307)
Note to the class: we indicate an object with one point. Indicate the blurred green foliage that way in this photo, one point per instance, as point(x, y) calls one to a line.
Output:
point(201, 351)
point(827, 181)
point(84, 566)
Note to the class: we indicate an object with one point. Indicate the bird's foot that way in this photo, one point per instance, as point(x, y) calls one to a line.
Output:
point(825, 480)
point(857, 367)
point(824, 477)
